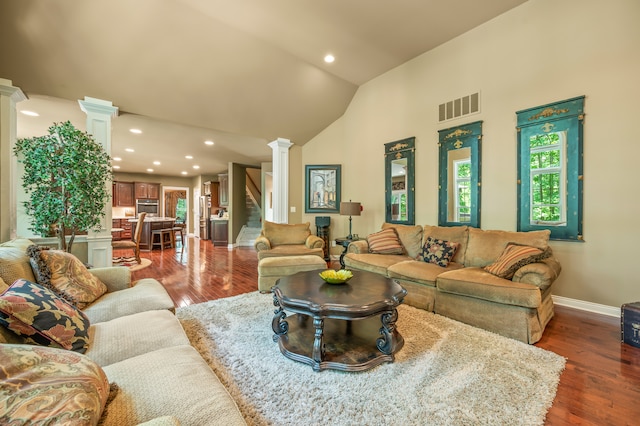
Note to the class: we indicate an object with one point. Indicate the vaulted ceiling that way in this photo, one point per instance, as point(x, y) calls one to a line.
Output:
point(240, 73)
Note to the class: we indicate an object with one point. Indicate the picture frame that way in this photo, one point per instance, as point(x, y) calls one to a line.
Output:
point(322, 188)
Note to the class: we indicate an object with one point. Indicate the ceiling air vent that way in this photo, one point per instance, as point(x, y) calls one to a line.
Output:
point(460, 107)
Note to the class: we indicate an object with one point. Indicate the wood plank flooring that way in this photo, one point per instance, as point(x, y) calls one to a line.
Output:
point(600, 385)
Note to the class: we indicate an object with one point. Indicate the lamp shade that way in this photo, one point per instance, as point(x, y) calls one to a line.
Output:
point(350, 208)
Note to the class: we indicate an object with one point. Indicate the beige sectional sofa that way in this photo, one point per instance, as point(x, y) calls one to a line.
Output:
point(137, 343)
point(519, 308)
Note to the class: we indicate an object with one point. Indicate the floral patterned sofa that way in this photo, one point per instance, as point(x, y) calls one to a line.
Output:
point(496, 280)
point(82, 346)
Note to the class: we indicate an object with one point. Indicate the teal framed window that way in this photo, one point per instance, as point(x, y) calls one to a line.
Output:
point(459, 178)
point(550, 169)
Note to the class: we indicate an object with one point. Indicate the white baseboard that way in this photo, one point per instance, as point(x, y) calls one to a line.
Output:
point(597, 308)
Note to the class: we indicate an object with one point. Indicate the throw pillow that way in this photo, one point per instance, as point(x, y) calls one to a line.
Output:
point(513, 257)
point(65, 274)
point(438, 252)
point(385, 242)
point(50, 386)
point(43, 318)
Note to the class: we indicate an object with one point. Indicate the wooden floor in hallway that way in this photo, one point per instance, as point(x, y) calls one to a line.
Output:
point(600, 385)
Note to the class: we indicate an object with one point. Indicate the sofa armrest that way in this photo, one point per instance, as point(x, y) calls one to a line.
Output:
point(114, 277)
point(541, 274)
point(314, 241)
point(358, 246)
point(262, 243)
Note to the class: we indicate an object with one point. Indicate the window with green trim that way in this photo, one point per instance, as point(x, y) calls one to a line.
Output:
point(550, 169)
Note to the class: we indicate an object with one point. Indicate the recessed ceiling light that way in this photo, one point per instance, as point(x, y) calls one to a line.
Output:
point(136, 131)
point(208, 142)
point(130, 150)
point(156, 163)
point(30, 113)
point(184, 173)
point(116, 167)
point(117, 159)
point(189, 157)
point(195, 166)
point(329, 58)
point(150, 170)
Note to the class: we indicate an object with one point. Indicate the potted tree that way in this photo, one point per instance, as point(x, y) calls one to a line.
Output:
point(65, 175)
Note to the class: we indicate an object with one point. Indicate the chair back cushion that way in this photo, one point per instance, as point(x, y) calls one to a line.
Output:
point(281, 233)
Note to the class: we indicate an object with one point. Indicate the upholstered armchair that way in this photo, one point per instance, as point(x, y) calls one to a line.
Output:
point(277, 239)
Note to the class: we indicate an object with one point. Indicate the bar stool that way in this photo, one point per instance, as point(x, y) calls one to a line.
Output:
point(165, 236)
point(179, 229)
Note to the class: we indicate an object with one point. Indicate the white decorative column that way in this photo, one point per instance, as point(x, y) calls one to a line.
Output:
point(99, 114)
point(9, 97)
point(280, 157)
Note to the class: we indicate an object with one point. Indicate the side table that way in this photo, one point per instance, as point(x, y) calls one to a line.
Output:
point(344, 242)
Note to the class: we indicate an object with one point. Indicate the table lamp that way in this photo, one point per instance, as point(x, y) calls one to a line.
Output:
point(350, 208)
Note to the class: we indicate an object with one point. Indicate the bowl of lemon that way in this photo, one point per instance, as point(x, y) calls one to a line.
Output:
point(331, 276)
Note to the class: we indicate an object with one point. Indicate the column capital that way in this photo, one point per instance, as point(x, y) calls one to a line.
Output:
point(7, 89)
point(280, 143)
point(98, 106)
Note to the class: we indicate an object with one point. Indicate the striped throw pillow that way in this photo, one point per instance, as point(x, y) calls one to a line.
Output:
point(385, 242)
point(514, 257)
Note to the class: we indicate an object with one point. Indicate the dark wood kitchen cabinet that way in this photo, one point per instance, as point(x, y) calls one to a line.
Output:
point(219, 232)
point(147, 190)
point(123, 194)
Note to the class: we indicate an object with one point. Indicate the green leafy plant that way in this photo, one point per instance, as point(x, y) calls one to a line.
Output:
point(65, 175)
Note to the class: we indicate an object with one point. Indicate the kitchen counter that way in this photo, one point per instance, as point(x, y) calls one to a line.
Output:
point(154, 219)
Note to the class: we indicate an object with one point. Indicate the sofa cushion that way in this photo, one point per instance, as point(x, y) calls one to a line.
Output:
point(385, 242)
point(43, 318)
point(457, 234)
point(485, 247)
point(514, 257)
point(477, 283)
point(14, 261)
point(146, 294)
point(376, 263)
point(173, 381)
point(419, 272)
point(282, 233)
point(50, 386)
point(410, 236)
point(66, 275)
point(290, 250)
point(132, 335)
point(438, 252)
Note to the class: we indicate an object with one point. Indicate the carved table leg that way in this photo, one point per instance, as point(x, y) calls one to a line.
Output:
point(386, 344)
point(278, 324)
point(318, 344)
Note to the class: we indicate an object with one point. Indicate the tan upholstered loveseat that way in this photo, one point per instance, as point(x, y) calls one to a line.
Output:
point(519, 308)
point(135, 341)
point(278, 239)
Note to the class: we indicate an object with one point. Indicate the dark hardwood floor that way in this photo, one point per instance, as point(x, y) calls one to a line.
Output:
point(600, 385)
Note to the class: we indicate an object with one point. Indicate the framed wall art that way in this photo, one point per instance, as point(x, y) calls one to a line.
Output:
point(322, 188)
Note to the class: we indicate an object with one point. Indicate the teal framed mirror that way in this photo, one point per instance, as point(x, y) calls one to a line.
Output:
point(399, 190)
point(459, 175)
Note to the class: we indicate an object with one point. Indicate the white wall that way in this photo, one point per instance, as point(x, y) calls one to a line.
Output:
point(541, 52)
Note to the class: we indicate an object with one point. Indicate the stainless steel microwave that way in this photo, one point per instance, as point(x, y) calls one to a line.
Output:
point(151, 207)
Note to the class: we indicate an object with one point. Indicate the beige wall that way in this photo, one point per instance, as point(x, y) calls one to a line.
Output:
point(540, 52)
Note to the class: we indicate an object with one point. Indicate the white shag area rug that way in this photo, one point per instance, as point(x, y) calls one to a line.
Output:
point(447, 373)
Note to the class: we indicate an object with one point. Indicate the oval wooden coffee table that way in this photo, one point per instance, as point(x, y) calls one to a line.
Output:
point(349, 327)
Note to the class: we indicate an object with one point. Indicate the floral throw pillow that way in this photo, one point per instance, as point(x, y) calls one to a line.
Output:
point(66, 275)
point(42, 318)
point(439, 252)
point(385, 242)
point(514, 257)
point(46, 386)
